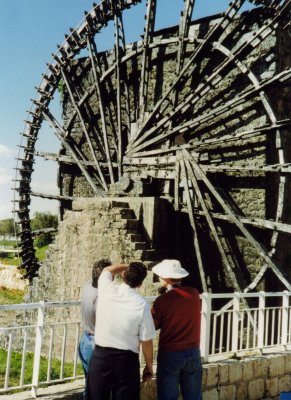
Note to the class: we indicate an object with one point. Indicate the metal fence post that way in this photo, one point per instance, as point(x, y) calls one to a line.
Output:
point(261, 321)
point(285, 312)
point(235, 322)
point(37, 348)
point(205, 325)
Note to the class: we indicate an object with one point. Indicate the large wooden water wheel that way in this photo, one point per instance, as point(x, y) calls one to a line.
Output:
point(196, 113)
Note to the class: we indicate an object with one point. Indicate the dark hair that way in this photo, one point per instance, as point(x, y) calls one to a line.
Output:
point(135, 274)
point(98, 267)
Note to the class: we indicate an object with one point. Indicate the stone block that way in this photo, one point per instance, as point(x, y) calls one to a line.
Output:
point(276, 366)
point(242, 391)
point(212, 375)
point(247, 370)
point(256, 389)
point(223, 373)
point(285, 383)
point(260, 367)
point(288, 363)
point(227, 392)
point(235, 372)
point(272, 388)
point(210, 395)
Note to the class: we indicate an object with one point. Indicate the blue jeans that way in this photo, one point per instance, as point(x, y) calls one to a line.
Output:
point(86, 347)
point(179, 368)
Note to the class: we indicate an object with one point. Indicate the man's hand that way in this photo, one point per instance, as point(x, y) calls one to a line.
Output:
point(116, 269)
point(147, 349)
point(147, 374)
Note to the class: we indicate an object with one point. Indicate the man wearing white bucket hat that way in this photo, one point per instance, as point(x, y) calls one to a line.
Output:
point(177, 314)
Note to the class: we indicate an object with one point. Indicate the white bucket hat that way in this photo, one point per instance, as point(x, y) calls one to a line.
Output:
point(170, 269)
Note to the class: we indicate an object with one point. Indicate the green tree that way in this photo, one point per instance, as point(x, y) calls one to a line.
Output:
point(40, 221)
point(43, 220)
point(7, 227)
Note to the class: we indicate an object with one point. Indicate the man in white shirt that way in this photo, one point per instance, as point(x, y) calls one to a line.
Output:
point(123, 323)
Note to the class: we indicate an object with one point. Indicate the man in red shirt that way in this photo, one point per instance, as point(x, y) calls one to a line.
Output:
point(177, 314)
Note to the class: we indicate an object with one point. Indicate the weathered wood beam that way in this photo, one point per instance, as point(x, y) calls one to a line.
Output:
point(119, 51)
point(61, 136)
point(204, 117)
point(176, 187)
point(226, 261)
point(146, 56)
point(193, 224)
point(255, 222)
point(51, 196)
point(67, 159)
point(84, 128)
point(44, 230)
point(260, 249)
point(191, 65)
point(247, 46)
point(185, 21)
point(93, 57)
point(234, 137)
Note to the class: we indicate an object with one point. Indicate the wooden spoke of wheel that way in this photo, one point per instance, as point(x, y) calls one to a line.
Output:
point(193, 224)
point(261, 251)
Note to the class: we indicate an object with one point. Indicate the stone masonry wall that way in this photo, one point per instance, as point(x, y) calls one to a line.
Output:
point(254, 378)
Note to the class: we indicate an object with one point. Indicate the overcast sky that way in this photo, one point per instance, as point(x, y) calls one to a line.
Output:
point(29, 33)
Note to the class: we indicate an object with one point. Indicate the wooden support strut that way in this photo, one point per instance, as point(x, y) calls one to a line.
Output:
point(206, 117)
point(183, 34)
point(191, 65)
point(146, 56)
point(61, 136)
point(227, 261)
point(194, 96)
point(93, 54)
point(101, 176)
point(193, 224)
point(262, 252)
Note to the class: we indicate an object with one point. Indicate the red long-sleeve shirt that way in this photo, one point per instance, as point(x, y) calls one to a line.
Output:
point(177, 314)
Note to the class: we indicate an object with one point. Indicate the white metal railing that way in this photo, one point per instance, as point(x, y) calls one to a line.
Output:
point(236, 324)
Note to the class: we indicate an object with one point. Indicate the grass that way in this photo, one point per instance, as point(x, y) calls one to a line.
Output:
point(11, 260)
point(41, 253)
point(15, 368)
point(8, 243)
point(11, 296)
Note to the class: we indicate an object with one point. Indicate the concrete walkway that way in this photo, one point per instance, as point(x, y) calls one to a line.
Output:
point(65, 391)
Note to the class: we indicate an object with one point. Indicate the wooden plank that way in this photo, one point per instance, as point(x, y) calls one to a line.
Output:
point(193, 224)
point(206, 117)
point(51, 196)
point(146, 56)
point(256, 222)
point(226, 261)
point(61, 136)
point(216, 76)
point(260, 249)
point(93, 57)
point(177, 185)
point(189, 68)
point(84, 128)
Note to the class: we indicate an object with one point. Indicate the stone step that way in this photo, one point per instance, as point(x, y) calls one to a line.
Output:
point(136, 237)
point(119, 204)
point(133, 225)
point(140, 245)
point(127, 213)
point(151, 255)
